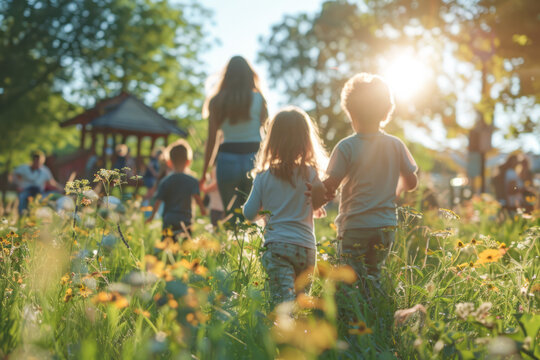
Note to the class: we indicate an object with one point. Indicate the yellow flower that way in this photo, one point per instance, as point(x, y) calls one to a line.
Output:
point(84, 291)
point(142, 312)
point(65, 279)
point(488, 255)
point(360, 328)
point(460, 245)
point(68, 295)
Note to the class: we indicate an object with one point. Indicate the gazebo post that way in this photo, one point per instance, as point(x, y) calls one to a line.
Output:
point(104, 149)
point(93, 146)
point(138, 162)
point(124, 138)
point(83, 136)
point(152, 143)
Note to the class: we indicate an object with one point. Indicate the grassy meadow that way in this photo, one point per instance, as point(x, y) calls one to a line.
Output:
point(96, 282)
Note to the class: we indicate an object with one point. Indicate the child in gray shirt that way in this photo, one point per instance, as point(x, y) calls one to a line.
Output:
point(290, 156)
point(372, 168)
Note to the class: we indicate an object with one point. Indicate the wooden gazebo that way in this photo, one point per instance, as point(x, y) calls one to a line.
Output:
point(115, 119)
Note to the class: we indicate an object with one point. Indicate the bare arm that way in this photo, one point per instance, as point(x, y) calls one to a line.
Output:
point(322, 192)
point(209, 188)
point(200, 204)
point(209, 153)
point(407, 182)
point(157, 204)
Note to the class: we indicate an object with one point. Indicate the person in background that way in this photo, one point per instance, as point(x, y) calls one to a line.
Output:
point(124, 160)
point(237, 111)
point(177, 191)
point(32, 179)
point(152, 168)
point(215, 204)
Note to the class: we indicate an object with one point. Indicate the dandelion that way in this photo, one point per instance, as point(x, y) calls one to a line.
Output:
point(488, 255)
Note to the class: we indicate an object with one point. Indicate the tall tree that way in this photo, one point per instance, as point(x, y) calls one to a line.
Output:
point(309, 56)
point(85, 50)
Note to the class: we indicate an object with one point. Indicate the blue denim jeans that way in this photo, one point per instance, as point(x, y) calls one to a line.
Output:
point(31, 191)
point(233, 180)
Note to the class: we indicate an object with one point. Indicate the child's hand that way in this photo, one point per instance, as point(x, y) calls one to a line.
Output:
point(319, 213)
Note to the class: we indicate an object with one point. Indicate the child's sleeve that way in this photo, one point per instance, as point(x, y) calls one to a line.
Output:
point(160, 192)
point(254, 201)
point(407, 165)
point(338, 164)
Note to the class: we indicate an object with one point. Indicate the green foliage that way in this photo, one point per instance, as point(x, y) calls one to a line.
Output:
point(310, 56)
point(85, 51)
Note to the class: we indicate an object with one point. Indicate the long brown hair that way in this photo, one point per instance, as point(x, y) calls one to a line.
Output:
point(292, 142)
point(232, 97)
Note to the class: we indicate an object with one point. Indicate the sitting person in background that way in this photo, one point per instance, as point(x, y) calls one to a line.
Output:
point(32, 179)
point(176, 191)
point(124, 160)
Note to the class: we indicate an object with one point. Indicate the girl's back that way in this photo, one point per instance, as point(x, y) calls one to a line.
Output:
point(291, 216)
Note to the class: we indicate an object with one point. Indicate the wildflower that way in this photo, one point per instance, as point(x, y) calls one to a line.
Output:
point(475, 242)
point(502, 347)
point(360, 328)
point(460, 245)
point(68, 295)
point(400, 316)
point(309, 302)
point(84, 291)
point(142, 312)
point(488, 255)
point(65, 279)
point(439, 345)
point(85, 201)
point(482, 312)
point(463, 310)
point(502, 246)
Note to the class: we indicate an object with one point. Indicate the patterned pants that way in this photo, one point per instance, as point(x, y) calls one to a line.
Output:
point(365, 249)
point(283, 263)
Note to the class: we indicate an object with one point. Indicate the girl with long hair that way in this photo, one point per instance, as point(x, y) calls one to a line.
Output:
point(236, 112)
point(291, 156)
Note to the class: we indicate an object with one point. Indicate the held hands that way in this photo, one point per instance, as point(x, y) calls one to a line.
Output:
point(319, 194)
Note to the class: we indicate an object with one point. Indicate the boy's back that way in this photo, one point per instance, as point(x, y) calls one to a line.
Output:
point(176, 191)
point(368, 167)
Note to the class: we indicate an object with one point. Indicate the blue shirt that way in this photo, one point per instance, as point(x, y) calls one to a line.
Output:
point(245, 130)
point(291, 219)
point(176, 191)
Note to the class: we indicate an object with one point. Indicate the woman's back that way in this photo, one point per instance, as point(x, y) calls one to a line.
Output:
point(245, 130)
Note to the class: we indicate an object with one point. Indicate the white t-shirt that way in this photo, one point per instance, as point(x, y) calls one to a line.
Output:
point(369, 166)
point(291, 219)
point(29, 177)
point(215, 200)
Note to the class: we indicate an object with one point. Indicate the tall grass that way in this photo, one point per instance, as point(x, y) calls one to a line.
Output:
point(96, 283)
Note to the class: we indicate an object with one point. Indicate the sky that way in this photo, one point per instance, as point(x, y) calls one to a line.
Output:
point(238, 24)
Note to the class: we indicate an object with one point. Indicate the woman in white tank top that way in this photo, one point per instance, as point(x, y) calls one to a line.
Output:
point(236, 113)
